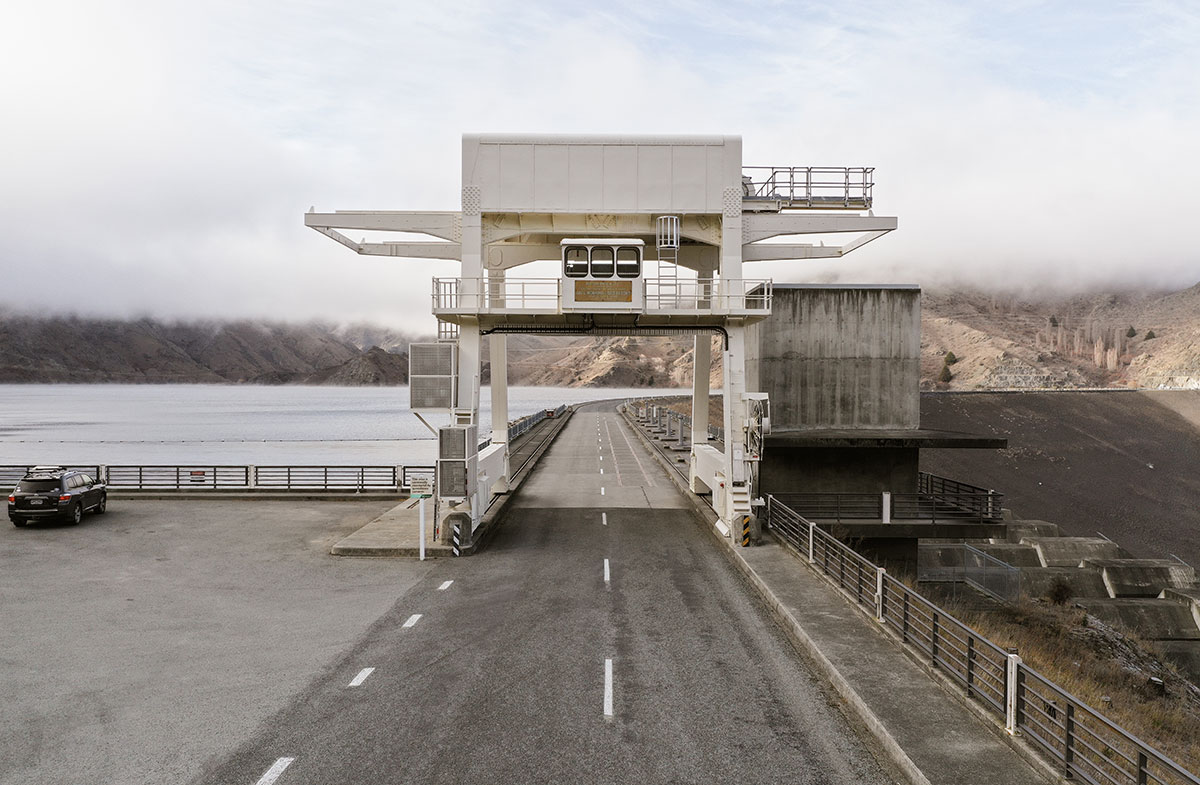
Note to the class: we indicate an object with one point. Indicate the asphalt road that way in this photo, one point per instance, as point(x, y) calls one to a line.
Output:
point(601, 637)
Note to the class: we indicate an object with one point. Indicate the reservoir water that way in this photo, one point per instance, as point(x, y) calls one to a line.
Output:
point(238, 424)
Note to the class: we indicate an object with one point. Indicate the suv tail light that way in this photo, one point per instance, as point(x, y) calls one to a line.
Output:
point(11, 498)
point(66, 497)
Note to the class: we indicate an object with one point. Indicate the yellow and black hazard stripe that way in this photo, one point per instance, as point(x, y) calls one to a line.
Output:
point(745, 531)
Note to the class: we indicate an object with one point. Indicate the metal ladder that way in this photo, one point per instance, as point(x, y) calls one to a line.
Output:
point(666, 244)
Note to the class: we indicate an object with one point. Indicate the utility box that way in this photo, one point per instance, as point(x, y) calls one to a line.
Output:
point(457, 465)
point(432, 376)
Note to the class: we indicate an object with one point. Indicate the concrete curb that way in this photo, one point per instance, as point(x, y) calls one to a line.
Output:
point(795, 632)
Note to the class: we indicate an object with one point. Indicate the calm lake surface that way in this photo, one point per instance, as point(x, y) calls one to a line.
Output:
point(237, 424)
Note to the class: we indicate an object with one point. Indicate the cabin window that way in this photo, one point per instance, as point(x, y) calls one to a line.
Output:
point(575, 261)
point(628, 263)
point(602, 262)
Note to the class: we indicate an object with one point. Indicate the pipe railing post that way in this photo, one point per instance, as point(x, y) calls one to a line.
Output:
point(1011, 698)
point(970, 664)
point(812, 528)
point(879, 609)
point(1069, 741)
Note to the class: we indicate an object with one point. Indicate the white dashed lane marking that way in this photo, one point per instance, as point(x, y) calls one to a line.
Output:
point(361, 677)
point(416, 617)
point(273, 773)
point(445, 586)
point(608, 688)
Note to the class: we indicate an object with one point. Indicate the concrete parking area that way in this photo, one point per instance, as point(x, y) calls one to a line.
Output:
point(142, 642)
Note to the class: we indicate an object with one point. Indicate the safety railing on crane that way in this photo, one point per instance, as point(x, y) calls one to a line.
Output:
point(544, 295)
point(817, 187)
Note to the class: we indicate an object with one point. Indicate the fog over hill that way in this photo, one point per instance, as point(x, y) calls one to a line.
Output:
point(1143, 339)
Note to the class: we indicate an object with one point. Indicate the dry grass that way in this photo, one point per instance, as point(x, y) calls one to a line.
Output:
point(1093, 661)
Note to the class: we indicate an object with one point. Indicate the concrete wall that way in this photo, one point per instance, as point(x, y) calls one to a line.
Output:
point(839, 357)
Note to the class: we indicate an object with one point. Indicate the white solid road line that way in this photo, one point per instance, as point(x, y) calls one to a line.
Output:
point(275, 770)
point(606, 571)
point(608, 690)
point(445, 586)
point(361, 677)
point(416, 617)
point(604, 518)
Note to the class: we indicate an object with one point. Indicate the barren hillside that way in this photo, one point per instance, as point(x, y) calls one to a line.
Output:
point(1104, 340)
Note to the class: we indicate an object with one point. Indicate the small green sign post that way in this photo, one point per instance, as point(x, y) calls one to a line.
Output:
point(421, 488)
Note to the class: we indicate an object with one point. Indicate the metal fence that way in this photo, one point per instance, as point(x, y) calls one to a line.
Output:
point(198, 477)
point(959, 562)
point(11, 475)
point(518, 427)
point(670, 420)
point(933, 507)
point(1074, 736)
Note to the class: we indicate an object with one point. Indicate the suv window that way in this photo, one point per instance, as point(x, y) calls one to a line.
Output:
point(37, 486)
point(86, 479)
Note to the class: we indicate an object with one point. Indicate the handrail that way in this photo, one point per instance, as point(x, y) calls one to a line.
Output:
point(981, 507)
point(200, 476)
point(824, 187)
point(544, 295)
point(1075, 736)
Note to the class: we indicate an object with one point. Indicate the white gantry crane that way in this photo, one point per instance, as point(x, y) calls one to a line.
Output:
point(599, 205)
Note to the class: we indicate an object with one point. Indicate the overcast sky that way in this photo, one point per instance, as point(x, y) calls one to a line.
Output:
point(156, 158)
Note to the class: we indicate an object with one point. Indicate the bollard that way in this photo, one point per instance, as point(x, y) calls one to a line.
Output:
point(745, 531)
point(455, 548)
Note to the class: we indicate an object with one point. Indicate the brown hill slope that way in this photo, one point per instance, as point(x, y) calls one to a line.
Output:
point(80, 350)
point(1118, 462)
point(1063, 341)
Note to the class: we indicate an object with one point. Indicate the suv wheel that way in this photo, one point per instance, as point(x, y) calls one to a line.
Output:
point(76, 514)
point(102, 505)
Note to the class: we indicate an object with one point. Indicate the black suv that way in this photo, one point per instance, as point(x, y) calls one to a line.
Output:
point(49, 493)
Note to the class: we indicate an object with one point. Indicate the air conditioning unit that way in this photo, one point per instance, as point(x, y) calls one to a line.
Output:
point(432, 376)
point(457, 478)
point(456, 442)
point(458, 470)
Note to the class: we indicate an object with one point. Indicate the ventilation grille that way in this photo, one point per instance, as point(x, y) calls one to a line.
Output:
point(431, 359)
point(431, 369)
point(455, 479)
point(457, 442)
point(430, 392)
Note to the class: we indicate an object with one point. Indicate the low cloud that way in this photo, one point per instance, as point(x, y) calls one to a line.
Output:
point(162, 156)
